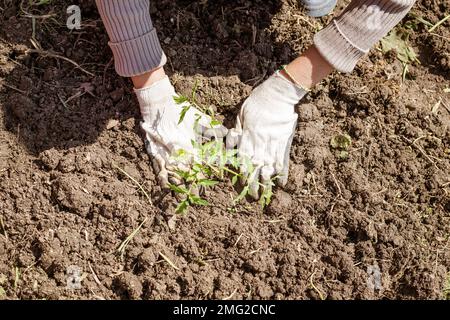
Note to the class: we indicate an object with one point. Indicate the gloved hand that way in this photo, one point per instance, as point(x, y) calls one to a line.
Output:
point(165, 136)
point(264, 131)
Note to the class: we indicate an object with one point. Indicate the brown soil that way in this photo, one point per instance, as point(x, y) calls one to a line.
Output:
point(63, 203)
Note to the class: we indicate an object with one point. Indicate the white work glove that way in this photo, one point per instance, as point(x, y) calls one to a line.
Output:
point(264, 131)
point(164, 136)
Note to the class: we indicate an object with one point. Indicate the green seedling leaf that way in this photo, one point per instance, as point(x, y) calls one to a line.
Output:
point(194, 89)
point(214, 152)
point(195, 144)
point(180, 153)
point(212, 160)
point(183, 113)
point(197, 167)
point(207, 146)
point(341, 141)
point(197, 200)
point(242, 195)
point(215, 123)
point(197, 128)
point(211, 112)
point(178, 189)
point(404, 71)
point(266, 198)
point(183, 174)
point(207, 171)
point(231, 153)
point(267, 193)
point(422, 20)
point(207, 183)
point(398, 41)
point(342, 155)
point(233, 160)
point(180, 99)
point(182, 207)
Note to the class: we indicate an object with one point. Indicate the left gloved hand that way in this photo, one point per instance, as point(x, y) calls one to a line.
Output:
point(167, 133)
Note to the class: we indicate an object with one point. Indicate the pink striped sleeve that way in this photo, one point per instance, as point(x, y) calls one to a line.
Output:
point(133, 39)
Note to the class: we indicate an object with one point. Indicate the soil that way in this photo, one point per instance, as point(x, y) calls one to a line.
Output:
point(374, 225)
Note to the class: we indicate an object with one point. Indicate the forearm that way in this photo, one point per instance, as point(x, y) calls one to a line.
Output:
point(308, 69)
point(133, 39)
point(363, 23)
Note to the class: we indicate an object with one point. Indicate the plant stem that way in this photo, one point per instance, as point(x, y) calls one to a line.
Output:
point(439, 23)
point(137, 183)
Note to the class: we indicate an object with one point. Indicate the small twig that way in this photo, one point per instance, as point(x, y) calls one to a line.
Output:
point(30, 266)
point(26, 14)
point(254, 251)
point(231, 295)
point(13, 88)
point(106, 69)
point(137, 183)
point(314, 287)
point(332, 208)
point(421, 151)
point(44, 53)
point(76, 95)
point(299, 17)
point(57, 56)
point(97, 296)
point(118, 272)
point(435, 108)
point(168, 261)
point(314, 182)
point(274, 221)
point(426, 155)
point(337, 184)
point(16, 278)
point(238, 239)
point(63, 102)
point(125, 243)
point(439, 36)
point(439, 23)
point(44, 16)
point(419, 138)
point(445, 106)
point(94, 275)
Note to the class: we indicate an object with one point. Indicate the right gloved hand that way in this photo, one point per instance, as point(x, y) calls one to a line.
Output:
point(165, 136)
point(264, 130)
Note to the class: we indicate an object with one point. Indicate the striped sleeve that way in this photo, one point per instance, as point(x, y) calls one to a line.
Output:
point(133, 39)
point(360, 26)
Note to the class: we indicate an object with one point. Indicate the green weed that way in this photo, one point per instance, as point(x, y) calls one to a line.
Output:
point(211, 164)
point(341, 143)
point(413, 24)
point(124, 244)
point(398, 40)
